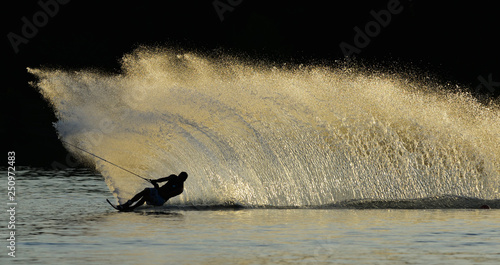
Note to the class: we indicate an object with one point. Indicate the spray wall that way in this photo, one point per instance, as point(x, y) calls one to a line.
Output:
point(258, 135)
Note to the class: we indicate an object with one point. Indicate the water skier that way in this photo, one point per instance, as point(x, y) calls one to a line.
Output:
point(157, 196)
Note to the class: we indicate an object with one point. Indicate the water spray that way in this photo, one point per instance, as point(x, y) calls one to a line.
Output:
point(135, 174)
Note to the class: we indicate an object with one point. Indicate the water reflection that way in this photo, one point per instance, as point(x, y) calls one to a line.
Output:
point(57, 226)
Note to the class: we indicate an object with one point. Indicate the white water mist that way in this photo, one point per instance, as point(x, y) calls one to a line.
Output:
point(258, 135)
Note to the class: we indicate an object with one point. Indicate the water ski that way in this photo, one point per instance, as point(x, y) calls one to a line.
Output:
point(116, 208)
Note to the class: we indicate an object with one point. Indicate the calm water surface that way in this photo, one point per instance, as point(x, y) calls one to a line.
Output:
point(62, 218)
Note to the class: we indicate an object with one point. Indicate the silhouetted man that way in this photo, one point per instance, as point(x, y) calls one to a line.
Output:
point(158, 195)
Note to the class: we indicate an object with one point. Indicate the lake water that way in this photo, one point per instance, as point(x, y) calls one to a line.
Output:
point(62, 218)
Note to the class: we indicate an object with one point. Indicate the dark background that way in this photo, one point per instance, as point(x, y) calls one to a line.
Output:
point(452, 41)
